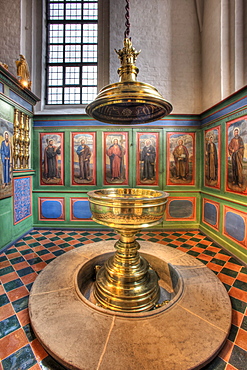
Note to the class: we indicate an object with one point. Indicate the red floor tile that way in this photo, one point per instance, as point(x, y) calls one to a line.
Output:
point(182, 249)
point(241, 339)
point(30, 256)
point(233, 266)
point(23, 317)
point(5, 263)
point(238, 293)
point(21, 265)
point(226, 279)
point(226, 351)
point(213, 249)
point(8, 277)
point(205, 257)
point(197, 249)
point(214, 266)
point(30, 241)
point(206, 242)
point(12, 342)
point(2, 291)
point(14, 255)
point(17, 293)
point(47, 256)
point(38, 350)
point(39, 266)
point(242, 277)
point(54, 248)
point(68, 248)
point(222, 257)
point(237, 318)
point(6, 311)
point(27, 279)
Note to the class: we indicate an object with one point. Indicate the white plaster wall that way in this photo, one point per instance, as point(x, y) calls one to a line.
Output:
point(224, 49)
point(192, 68)
point(245, 41)
point(211, 53)
point(10, 21)
point(168, 34)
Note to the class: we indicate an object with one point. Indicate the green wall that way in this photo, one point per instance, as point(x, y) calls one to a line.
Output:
point(199, 195)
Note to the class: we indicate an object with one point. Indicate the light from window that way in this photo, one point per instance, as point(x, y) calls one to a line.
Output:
point(72, 47)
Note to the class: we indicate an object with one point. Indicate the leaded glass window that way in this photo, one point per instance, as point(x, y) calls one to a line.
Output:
point(72, 49)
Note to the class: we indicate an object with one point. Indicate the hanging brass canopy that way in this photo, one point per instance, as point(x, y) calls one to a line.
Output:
point(128, 101)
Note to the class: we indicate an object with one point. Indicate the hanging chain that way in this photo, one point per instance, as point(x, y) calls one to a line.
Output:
point(127, 23)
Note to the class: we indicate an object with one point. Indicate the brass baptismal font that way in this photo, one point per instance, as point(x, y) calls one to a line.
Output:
point(126, 282)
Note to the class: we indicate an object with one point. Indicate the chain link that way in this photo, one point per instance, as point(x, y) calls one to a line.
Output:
point(127, 23)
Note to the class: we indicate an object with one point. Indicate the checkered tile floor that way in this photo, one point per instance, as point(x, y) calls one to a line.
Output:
point(22, 262)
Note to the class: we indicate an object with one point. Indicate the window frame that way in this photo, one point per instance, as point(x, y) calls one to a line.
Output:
point(39, 38)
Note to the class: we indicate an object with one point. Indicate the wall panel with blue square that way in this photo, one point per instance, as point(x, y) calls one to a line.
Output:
point(80, 209)
point(51, 209)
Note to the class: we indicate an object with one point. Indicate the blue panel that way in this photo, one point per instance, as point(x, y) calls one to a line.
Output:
point(51, 209)
point(19, 100)
point(210, 213)
point(81, 209)
point(22, 198)
point(235, 226)
point(181, 208)
point(68, 123)
point(239, 104)
point(1, 87)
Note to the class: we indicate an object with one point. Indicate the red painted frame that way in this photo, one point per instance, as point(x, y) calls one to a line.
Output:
point(149, 136)
point(207, 133)
point(241, 214)
point(72, 218)
point(43, 199)
point(108, 138)
point(92, 159)
point(228, 187)
point(42, 146)
point(180, 136)
point(217, 205)
point(191, 218)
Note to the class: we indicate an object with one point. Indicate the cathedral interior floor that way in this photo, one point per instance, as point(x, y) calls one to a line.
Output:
point(21, 263)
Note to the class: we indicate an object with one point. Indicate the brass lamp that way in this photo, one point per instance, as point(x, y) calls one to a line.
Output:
point(128, 101)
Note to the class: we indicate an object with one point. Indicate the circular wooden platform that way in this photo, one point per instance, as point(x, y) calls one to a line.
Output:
point(185, 334)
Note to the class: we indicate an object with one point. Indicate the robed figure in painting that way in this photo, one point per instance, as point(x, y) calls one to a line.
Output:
point(51, 161)
point(5, 157)
point(181, 158)
point(84, 153)
point(116, 153)
point(212, 160)
point(236, 151)
point(148, 156)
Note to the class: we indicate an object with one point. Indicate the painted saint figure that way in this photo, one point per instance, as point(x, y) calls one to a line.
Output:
point(212, 160)
point(181, 157)
point(236, 151)
point(6, 162)
point(84, 154)
point(148, 156)
point(116, 153)
point(51, 161)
